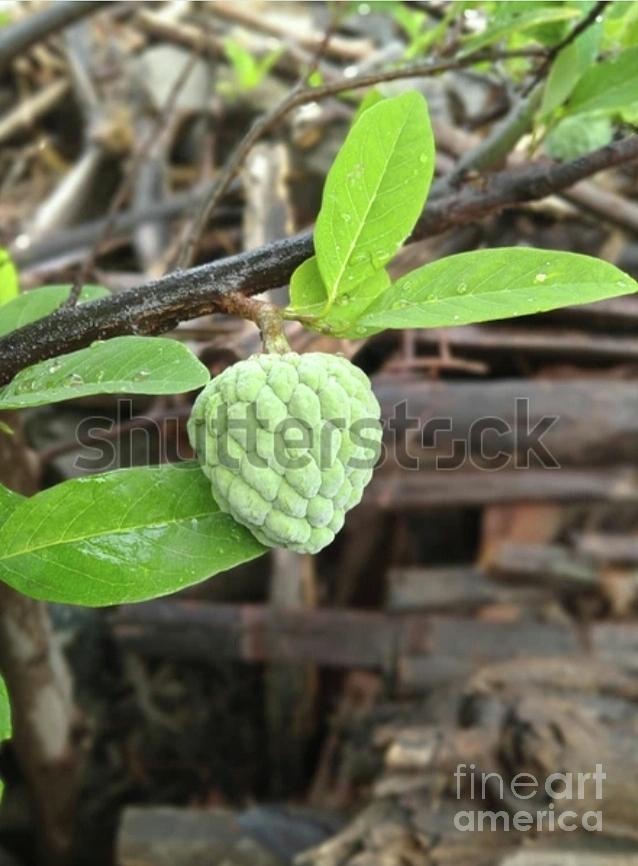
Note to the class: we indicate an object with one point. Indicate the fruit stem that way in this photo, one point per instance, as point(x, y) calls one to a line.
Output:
point(268, 318)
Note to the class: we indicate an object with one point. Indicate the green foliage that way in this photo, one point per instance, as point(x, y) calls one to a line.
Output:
point(123, 536)
point(494, 284)
point(123, 365)
point(38, 303)
point(578, 135)
point(620, 26)
point(309, 300)
point(5, 720)
point(337, 298)
point(374, 192)
point(568, 67)
point(136, 534)
point(371, 98)
point(141, 533)
point(514, 18)
point(8, 502)
point(8, 278)
point(609, 86)
point(415, 24)
point(249, 71)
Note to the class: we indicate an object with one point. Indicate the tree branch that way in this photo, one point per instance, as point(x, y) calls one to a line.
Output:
point(17, 38)
point(300, 95)
point(158, 306)
point(584, 24)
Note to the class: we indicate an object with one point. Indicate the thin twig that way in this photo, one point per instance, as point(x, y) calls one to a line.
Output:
point(300, 96)
point(584, 24)
point(157, 306)
point(17, 38)
point(127, 183)
point(495, 148)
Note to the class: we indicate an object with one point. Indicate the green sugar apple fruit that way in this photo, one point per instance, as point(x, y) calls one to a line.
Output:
point(288, 442)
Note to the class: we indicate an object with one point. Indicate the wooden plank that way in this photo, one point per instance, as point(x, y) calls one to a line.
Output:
point(474, 341)
point(204, 631)
point(460, 589)
point(394, 489)
point(596, 420)
point(551, 565)
point(459, 647)
point(608, 547)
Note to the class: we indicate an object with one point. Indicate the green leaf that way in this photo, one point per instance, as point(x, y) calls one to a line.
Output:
point(309, 297)
point(123, 365)
point(5, 720)
point(8, 278)
point(570, 65)
point(494, 284)
point(38, 303)
point(8, 502)
point(374, 191)
point(372, 97)
point(620, 26)
point(578, 135)
point(124, 536)
point(249, 71)
point(608, 86)
point(514, 24)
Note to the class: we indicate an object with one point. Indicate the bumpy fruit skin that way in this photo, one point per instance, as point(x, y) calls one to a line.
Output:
point(289, 443)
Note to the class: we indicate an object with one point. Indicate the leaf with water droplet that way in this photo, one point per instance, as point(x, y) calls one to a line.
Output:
point(129, 535)
point(38, 303)
point(310, 302)
point(492, 284)
point(381, 194)
point(123, 365)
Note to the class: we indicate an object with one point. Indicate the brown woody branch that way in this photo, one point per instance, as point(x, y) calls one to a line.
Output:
point(16, 38)
point(158, 306)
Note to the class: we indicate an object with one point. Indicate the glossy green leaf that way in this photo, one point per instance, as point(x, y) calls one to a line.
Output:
point(38, 303)
point(374, 192)
point(494, 284)
point(608, 86)
point(570, 65)
point(308, 296)
point(5, 720)
point(8, 278)
point(123, 365)
point(123, 536)
point(516, 23)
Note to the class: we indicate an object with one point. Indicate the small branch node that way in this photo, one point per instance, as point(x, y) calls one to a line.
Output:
point(268, 318)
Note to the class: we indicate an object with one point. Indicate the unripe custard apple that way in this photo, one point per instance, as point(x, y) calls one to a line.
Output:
point(289, 443)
